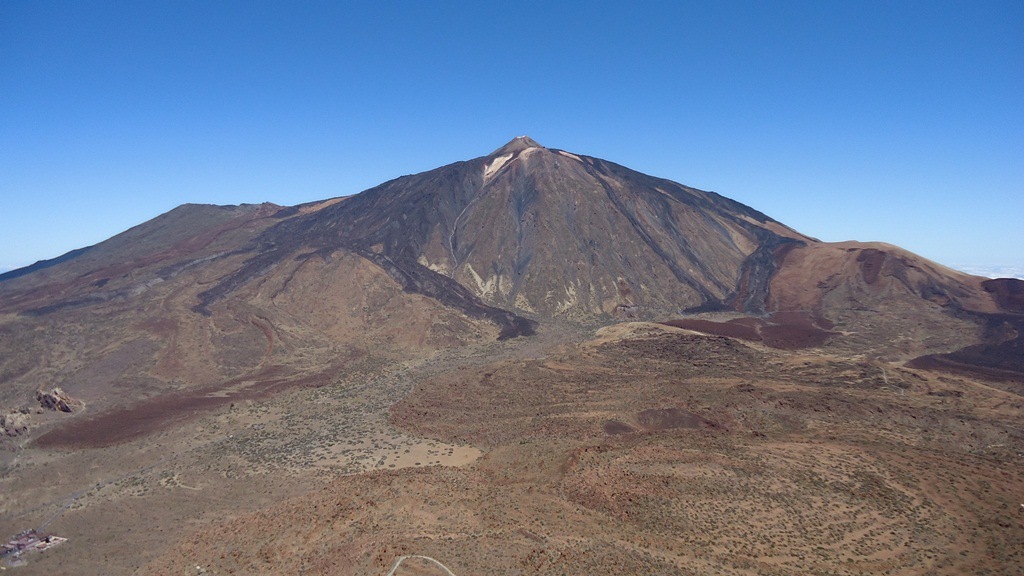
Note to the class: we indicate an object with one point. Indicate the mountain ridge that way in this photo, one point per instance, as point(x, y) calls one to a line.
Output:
point(522, 236)
point(443, 205)
point(611, 357)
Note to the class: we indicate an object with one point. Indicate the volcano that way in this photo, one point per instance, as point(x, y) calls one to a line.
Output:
point(546, 232)
point(460, 306)
point(492, 245)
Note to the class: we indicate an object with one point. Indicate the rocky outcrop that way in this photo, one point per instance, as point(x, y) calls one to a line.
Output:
point(57, 400)
point(14, 423)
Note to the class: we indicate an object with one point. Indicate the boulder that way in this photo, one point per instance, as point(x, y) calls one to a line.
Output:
point(57, 399)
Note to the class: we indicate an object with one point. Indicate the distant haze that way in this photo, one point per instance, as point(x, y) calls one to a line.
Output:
point(992, 271)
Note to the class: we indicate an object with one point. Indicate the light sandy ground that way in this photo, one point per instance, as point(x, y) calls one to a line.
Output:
point(496, 165)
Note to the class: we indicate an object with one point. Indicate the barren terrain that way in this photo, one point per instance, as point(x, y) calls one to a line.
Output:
point(531, 362)
point(637, 448)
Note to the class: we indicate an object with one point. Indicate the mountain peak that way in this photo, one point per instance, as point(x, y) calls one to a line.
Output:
point(517, 144)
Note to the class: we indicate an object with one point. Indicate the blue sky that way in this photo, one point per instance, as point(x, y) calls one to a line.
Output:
point(894, 121)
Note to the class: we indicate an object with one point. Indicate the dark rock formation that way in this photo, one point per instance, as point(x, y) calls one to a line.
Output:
point(57, 400)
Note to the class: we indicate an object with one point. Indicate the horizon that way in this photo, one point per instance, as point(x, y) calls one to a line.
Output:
point(876, 122)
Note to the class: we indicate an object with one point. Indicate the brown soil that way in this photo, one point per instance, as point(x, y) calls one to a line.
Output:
point(794, 336)
point(669, 419)
point(871, 261)
point(613, 427)
point(1008, 292)
point(818, 465)
point(785, 330)
point(152, 416)
point(744, 329)
point(950, 364)
point(999, 358)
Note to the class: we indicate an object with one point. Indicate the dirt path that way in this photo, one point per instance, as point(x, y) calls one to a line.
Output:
point(404, 558)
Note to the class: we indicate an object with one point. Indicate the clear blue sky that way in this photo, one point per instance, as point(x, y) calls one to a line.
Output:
point(894, 121)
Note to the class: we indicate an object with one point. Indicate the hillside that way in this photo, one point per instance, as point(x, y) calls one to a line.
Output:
point(525, 362)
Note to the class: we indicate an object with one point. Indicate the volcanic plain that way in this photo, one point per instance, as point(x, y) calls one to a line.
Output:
point(634, 448)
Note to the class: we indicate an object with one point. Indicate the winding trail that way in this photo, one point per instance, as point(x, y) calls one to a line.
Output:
point(404, 558)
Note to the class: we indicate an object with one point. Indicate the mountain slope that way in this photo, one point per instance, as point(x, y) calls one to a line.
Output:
point(477, 249)
point(548, 232)
point(450, 343)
